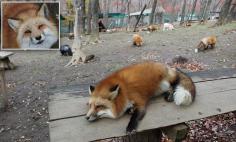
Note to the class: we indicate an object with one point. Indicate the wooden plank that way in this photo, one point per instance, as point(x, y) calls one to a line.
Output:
point(78, 129)
point(76, 106)
point(201, 76)
point(74, 91)
point(4, 54)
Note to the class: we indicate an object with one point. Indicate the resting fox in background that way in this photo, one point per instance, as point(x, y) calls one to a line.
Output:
point(132, 87)
point(137, 40)
point(206, 43)
point(28, 26)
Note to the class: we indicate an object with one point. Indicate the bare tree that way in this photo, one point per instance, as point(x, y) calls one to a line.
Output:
point(154, 5)
point(183, 13)
point(139, 17)
point(94, 37)
point(173, 11)
point(231, 13)
point(78, 55)
point(128, 13)
point(107, 7)
point(89, 17)
point(202, 9)
point(206, 11)
point(224, 12)
point(83, 16)
point(193, 9)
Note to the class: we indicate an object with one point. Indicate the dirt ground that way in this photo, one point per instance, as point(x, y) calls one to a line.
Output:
point(26, 119)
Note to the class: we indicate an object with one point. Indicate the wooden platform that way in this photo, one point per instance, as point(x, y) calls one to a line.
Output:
point(216, 94)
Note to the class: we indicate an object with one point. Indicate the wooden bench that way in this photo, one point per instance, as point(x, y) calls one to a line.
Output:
point(216, 94)
point(4, 64)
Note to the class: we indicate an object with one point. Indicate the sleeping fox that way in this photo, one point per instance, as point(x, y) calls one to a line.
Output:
point(28, 26)
point(206, 43)
point(137, 40)
point(133, 86)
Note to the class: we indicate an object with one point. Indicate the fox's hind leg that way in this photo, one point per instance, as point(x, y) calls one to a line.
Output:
point(169, 95)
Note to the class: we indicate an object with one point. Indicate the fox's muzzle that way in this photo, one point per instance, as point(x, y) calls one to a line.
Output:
point(91, 118)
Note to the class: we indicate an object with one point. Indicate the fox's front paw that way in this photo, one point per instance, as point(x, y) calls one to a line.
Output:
point(130, 130)
point(169, 97)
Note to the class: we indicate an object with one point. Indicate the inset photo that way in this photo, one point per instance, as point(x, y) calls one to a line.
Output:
point(30, 25)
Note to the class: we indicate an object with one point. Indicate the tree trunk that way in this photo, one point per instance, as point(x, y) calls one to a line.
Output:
point(123, 9)
point(224, 12)
point(89, 17)
point(128, 12)
point(139, 17)
point(202, 9)
point(216, 6)
point(173, 11)
point(154, 5)
point(95, 29)
point(83, 16)
point(207, 11)
point(231, 13)
point(78, 55)
point(107, 6)
point(183, 13)
point(193, 9)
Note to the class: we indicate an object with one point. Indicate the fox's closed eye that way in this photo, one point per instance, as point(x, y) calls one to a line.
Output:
point(100, 107)
point(27, 32)
point(40, 26)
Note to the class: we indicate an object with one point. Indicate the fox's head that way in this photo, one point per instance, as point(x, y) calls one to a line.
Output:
point(34, 30)
point(101, 103)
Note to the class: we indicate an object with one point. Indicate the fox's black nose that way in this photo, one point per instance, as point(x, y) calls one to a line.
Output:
point(87, 117)
point(38, 37)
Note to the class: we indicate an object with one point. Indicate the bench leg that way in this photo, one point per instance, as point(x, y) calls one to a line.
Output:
point(177, 132)
point(10, 65)
point(4, 100)
point(154, 135)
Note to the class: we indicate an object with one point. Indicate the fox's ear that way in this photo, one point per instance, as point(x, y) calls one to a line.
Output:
point(14, 24)
point(44, 12)
point(91, 89)
point(114, 91)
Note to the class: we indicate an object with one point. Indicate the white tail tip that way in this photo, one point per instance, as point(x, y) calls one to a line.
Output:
point(182, 96)
point(196, 50)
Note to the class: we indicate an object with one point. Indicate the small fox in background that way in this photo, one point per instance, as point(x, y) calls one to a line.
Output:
point(28, 26)
point(133, 87)
point(206, 43)
point(137, 40)
point(168, 26)
point(152, 28)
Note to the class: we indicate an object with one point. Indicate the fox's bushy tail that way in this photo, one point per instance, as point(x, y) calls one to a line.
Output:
point(185, 90)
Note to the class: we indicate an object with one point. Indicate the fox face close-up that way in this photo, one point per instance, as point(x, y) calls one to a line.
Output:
point(102, 106)
point(35, 31)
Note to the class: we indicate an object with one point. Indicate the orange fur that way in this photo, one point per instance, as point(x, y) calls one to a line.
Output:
point(207, 42)
point(152, 28)
point(137, 40)
point(138, 83)
point(27, 14)
point(132, 87)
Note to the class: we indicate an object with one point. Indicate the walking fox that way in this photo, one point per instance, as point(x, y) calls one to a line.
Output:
point(206, 43)
point(137, 40)
point(28, 25)
point(132, 87)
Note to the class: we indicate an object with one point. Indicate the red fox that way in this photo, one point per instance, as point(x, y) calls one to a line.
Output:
point(137, 40)
point(152, 28)
point(206, 43)
point(27, 26)
point(133, 86)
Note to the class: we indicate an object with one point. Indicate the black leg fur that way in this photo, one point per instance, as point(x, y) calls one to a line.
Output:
point(135, 118)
